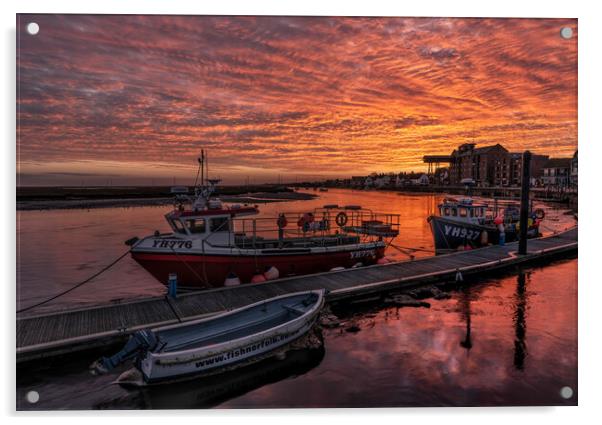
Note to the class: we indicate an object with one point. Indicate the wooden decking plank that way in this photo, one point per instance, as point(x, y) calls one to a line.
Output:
point(57, 327)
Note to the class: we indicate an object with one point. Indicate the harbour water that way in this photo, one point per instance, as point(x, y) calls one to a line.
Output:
point(507, 340)
point(58, 248)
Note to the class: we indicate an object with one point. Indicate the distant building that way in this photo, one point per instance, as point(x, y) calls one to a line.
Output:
point(441, 176)
point(382, 181)
point(556, 172)
point(357, 181)
point(535, 172)
point(487, 166)
point(399, 180)
point(574, 173)
point(423, 180)
point(492, 166)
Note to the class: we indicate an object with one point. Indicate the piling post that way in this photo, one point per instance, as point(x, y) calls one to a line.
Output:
point(172, 289)
point(524, 203)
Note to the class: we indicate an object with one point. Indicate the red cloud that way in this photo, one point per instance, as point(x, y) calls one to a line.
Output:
point(292, 94)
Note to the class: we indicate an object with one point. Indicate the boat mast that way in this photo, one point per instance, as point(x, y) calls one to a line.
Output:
point(202, 161)
point(207, 166)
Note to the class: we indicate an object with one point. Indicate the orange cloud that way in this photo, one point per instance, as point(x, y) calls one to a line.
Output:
point(287, 95)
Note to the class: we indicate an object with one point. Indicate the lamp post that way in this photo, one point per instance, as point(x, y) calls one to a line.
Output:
point(524, 203)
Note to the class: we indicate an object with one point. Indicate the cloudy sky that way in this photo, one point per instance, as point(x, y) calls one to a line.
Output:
point(133, 99)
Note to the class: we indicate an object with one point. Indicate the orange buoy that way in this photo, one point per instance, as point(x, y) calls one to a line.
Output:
point(305, 219)
point(258, 278)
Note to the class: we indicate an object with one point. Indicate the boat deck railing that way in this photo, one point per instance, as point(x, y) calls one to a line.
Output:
point(320, 228)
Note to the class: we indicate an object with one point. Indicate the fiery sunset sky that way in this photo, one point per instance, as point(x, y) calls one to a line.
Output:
point(133, 99)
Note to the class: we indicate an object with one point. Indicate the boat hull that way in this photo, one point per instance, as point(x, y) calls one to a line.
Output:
point(211, 270)
point(165, 367)
point(450, 235)
point(205, 392)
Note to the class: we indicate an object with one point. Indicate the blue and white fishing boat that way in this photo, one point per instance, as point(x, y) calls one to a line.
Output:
point(465, 224)
point(219, 343)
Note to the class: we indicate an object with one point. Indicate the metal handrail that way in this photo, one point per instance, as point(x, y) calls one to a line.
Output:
point(322, 231)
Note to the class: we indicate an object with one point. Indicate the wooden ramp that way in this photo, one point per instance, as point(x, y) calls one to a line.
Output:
point(72, 330)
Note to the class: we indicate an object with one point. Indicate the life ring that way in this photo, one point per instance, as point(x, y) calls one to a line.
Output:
point(281, 222)
point(540, 213)
point(341, 219)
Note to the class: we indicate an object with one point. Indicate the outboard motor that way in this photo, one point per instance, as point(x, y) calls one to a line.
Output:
point(140, 342)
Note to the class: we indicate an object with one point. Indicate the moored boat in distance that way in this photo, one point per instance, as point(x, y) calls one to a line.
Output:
point(212, 244)
point(216, 344)
point(464, 224)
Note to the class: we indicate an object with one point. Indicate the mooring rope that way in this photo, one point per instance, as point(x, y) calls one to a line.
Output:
point(411, 249)
point(75, 286)
point(205, 281)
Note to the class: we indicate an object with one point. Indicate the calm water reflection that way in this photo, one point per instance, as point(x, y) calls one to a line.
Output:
point(505, 341)
point(57, 248)
point(509, 340)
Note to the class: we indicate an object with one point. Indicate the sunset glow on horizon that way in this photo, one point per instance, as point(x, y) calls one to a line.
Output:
point(107, 99)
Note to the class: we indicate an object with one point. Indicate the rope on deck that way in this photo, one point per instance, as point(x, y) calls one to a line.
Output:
point(408, 248)
point(75, 286)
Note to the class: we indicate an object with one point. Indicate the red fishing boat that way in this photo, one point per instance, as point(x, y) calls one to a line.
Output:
point(213, 244)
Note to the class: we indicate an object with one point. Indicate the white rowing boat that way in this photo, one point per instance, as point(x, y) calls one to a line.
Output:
point(221, 342)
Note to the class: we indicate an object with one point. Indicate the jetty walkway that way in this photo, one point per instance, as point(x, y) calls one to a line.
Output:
point(48, 335)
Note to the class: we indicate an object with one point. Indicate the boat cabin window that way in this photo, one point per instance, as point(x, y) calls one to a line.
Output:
point(177, 224)
point(196, 225)
point(220, 224)
point(445, 211)
point(454, 212)
point(462, 211)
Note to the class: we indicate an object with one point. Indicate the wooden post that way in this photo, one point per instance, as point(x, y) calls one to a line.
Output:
point(524, 203)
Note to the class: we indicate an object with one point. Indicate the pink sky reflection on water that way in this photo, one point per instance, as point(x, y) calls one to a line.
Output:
point(415, 357)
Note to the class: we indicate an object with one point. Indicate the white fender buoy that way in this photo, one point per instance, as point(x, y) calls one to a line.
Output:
point(459, 277)
point(232, 280)
point(271, 273)
point(356, 265)
point(337, 269)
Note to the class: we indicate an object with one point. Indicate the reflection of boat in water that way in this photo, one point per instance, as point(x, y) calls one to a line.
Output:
point(213, 245)
point(215, 344)
point(464, 224)
point(214, 390)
